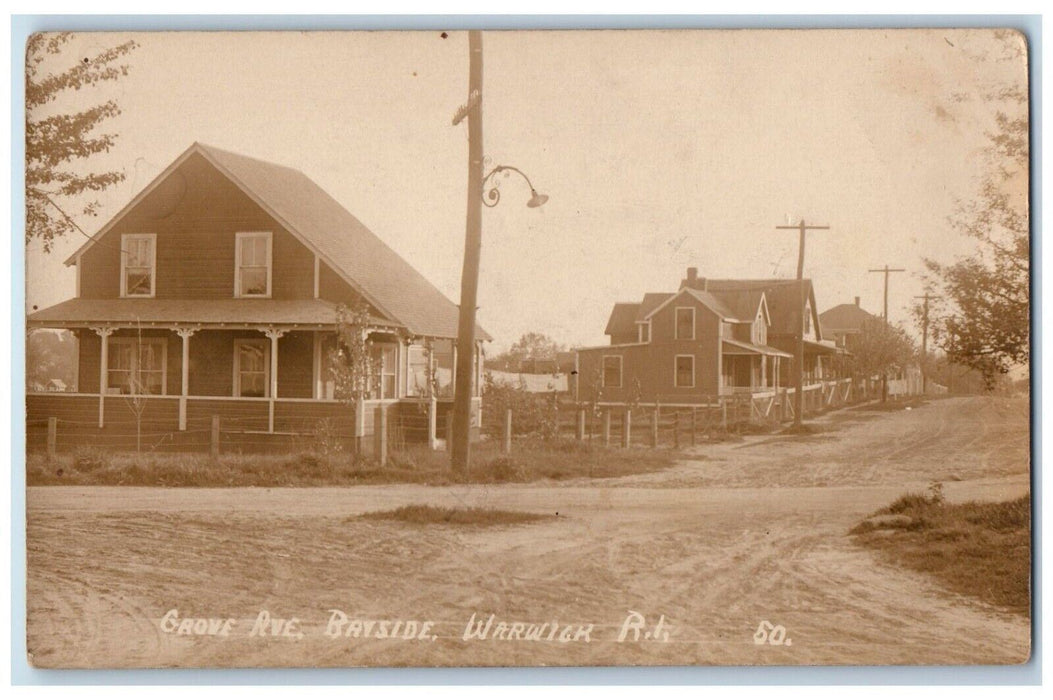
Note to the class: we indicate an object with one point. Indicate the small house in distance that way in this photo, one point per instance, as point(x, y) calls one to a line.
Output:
point(710, 338)
point(844, 324)
point(215, 292)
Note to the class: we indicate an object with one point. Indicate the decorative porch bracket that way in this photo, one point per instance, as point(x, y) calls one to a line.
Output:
point(274, 334)
point(104, 333)
point(184, 332)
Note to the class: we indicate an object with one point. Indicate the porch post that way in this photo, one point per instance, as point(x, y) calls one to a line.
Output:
point(316, 366)
point(185, 334)
point(273, 334)
point(764, 371)
point(453, 372)
point(104, 361)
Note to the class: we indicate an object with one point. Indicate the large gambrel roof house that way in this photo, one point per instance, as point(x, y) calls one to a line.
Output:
point(219, 284)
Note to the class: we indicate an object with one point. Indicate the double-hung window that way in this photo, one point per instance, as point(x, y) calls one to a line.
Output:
point(612, 371)
point(252, 264)
point(136, 366)
point(251, 368)
point(384, 357)
point(685, 323)
point(684, 373)
point(138, 264)
point(419, 379)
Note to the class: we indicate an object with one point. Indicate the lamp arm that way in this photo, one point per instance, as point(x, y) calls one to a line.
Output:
point(494, 194)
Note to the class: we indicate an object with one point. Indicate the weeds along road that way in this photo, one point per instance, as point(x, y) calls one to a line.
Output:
point(735, 535)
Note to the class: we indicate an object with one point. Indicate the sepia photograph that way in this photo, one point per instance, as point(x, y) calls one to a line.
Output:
point(488, 348)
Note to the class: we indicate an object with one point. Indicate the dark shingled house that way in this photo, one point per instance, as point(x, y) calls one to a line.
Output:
point(711, 338)
point(215, 292)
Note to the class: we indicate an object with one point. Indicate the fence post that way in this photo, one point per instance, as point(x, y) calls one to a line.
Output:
point(654, 427)
point(449, 430)
point(360, 424)
point(581, 425)
point(380, 435)
point(433, 438)
point(676, 432)
point(214, 442)
point(52, 436)
point(724, 414)
point(694, 426)
point(627, 424)
point(506, 438)
point(607, 427)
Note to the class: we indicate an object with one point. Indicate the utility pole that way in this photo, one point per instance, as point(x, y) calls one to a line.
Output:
point(798, 397)
point(462, 395)
point(884, 315)
point(925, 339)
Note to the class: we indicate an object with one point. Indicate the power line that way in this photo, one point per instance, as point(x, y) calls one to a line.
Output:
point(884, 375)
point(925, 338)
point(798, 398)
point(887, 270)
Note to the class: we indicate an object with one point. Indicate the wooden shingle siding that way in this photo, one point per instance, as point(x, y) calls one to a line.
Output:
point(309, 417)
point(195, 214)
point(89, 346)
point(332, 287)
point(296, 366)
point(653, 364)
point(212, 361)
point(243, 415)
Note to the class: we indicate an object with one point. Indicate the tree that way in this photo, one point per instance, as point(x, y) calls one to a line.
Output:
point(353, 367)
point(56, 143)
point(983, 322)
point(51, 355)
point(882, 348)
point(531, 346)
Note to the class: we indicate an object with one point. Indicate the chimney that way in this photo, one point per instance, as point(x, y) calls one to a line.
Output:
point(857, 301)
point(692, 274)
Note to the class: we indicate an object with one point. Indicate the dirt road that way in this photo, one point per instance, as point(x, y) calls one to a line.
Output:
point(737, 535)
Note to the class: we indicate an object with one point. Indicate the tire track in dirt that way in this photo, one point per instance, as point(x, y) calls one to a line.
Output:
point(714, 560)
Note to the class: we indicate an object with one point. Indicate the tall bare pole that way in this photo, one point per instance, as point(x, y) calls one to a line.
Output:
point(884, 315)
point(925, 340)
point(798, 397)
point(462, 395)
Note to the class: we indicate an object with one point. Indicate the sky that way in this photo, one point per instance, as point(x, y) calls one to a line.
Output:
point(658, 150)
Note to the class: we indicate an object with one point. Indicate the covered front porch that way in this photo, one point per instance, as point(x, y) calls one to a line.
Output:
point(264, 377)
point(752, 369)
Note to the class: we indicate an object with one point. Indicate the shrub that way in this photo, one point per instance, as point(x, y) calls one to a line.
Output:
point(505, 468)
point(434, 515)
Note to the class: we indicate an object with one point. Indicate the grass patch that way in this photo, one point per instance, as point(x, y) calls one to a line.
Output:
point(977, 549)
point(434, 515)
point(531, 460)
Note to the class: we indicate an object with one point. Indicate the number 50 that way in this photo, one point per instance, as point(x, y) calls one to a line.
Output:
point(767, 633)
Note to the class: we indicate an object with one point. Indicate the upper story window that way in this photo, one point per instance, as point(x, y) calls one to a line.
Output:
point(807, 319)
point(645, 332)
point(685, 323)
point(760, 330)
point(252, 264)
point(138, 264)
point(612, 371)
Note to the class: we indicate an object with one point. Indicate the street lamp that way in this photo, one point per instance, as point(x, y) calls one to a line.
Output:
point(473, 234)
point(493, 197)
